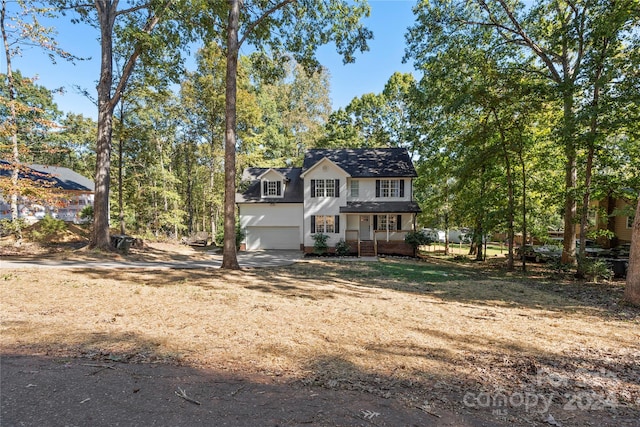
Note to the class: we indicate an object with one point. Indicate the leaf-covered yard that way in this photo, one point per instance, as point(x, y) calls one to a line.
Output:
point(433, 335)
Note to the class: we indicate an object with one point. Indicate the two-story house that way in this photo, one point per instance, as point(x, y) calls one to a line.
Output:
point(363, 196)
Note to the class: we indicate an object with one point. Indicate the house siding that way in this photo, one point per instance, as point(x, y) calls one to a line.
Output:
point(324, 205)
point(367, 190)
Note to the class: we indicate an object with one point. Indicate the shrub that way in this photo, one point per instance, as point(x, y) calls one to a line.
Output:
point(320, 246)
point(342, 248)
point(9, 227)
point(86, 214)
point(595, 269)
point(47, 227)
point(417, 238)
point(219, 237)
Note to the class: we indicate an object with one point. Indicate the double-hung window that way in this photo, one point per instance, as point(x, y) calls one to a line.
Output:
point(355, 188)
point(325, 188)
point(325, 224)
point(387, 222)
point(386, 188)
point(271, 188)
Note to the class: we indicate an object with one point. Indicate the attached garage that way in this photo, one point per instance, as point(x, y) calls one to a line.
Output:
point(272, 238)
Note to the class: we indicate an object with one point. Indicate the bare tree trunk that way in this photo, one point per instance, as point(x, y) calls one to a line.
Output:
point(13, 125)
point(632, 289)
point(120, 169)
point(571, 178)
point(230, 259)
point(100, 233)
point(524, 208)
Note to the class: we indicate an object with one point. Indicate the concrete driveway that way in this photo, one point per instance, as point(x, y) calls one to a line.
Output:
point(254, 259)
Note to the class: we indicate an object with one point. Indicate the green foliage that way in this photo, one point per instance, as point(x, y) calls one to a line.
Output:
point(342, 248)
point(48, 227)
point(14, 228)
point(87, 213)
point(594, 268)
point(240, 235)
point(417, 238)
point(320, 246)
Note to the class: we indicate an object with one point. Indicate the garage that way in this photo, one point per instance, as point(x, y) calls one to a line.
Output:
point(272, 238)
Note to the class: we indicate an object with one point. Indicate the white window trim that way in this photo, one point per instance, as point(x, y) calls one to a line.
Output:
point(355, 188)
point(275, 184)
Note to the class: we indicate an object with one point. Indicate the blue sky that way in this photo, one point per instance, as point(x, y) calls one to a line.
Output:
point(389, 21)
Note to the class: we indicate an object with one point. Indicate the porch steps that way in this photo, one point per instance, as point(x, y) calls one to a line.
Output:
point(367, 248)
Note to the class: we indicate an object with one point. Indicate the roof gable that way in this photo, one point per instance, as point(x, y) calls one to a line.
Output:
point(272, 174)
point(324, 161)
point(364, 162)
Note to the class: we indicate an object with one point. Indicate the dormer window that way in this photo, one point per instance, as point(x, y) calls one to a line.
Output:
point(271, 188)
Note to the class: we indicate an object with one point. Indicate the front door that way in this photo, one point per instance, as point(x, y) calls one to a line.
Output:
point(365, 229)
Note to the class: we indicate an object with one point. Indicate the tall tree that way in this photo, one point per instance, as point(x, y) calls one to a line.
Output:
point(551, 39)
point(283, 27)
point(135, 22)
point(632, 290)
point(21, 26)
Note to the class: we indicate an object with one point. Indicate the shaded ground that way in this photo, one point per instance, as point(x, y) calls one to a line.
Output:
point(40, 391)
point(322, 342)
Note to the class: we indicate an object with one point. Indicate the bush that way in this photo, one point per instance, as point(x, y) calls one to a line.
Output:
point(342, 248)
point(219, 237)
point(47, 227)
point(417, 238)
point(9, 227)
point(595, 269)
point(320, 246)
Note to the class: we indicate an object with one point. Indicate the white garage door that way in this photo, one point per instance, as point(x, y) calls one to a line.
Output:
point(273, 238)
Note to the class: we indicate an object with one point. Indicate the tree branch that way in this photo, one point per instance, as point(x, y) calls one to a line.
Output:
point(517, 29)
point(257, 22)
point(131, 62)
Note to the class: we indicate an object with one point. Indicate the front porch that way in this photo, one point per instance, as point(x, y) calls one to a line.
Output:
point(379, 234)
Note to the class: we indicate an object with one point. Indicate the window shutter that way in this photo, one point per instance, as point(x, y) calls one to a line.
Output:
point(402, 188)
point(375, 222)
point(313, 224)
point(377, 188)
point(337, 223)
point(337, 181)
point(399, 223)
point(265, 185)
point(313, 190)
point(279, 189)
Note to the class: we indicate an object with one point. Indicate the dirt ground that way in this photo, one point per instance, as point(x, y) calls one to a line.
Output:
point(322, 342)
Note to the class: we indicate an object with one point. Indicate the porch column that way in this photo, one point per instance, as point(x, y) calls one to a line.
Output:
point(387, 227)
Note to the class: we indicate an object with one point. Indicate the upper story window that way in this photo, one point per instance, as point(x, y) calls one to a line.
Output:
point(629, 222)
point(389, 188)
point(271, 188)
point(325, 188)
point(355, 188)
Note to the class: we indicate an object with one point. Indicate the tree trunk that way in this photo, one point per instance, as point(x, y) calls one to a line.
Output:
point(571, 178)
point(13, 126)
point(120, 170)
point(100, 233)
point(229, 258)
point(524, 207)
point(632, 289)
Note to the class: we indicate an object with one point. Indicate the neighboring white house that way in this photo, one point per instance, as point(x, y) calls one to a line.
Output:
point(362, 196)
point(67, 193)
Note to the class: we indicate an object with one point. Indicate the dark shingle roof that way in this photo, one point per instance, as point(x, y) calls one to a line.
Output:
point(380, 207)
point(50, 176)
point(365, 162)
point(293, 192)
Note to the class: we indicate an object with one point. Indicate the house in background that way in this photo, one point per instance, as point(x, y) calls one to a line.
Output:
point(614, 214)
point(66, 193)
point(362, 196)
